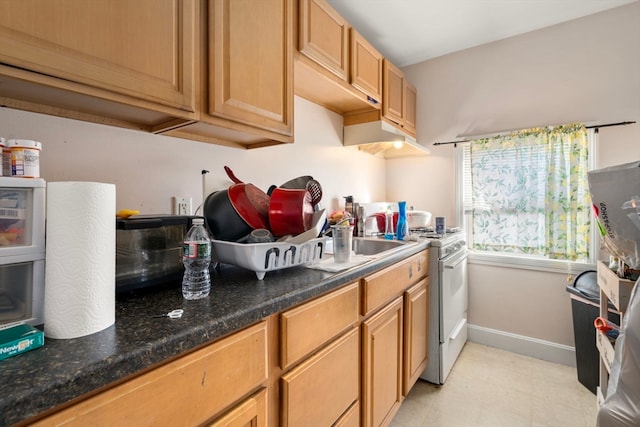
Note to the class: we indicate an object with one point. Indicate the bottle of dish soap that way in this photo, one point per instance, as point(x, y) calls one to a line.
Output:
point(402, 229)
point(388, 224)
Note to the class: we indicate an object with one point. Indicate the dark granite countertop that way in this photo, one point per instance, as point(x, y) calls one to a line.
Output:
point(63, 370)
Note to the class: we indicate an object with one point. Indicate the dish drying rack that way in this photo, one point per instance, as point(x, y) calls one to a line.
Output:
point(270, 256)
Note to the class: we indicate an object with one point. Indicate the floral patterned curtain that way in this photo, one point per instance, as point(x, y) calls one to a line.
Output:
point(530, 193)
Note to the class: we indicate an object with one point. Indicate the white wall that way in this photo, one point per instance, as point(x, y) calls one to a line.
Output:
point(149, 169)
point(583, 70)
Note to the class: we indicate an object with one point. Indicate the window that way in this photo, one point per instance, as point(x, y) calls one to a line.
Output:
point(525, 196)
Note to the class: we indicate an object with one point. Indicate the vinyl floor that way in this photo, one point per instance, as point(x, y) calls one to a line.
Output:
point(489, 387)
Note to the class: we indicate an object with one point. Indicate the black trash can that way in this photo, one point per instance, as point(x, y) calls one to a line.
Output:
point(585, 306)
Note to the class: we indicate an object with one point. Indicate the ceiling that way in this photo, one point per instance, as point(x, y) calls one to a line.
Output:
point(411, 31)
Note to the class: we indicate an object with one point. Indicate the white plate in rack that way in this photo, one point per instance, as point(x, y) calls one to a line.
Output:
point(263, 257)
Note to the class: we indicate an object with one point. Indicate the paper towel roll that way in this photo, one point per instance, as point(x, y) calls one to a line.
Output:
point(80, 259)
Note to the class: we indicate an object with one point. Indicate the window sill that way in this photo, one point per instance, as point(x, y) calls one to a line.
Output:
point(527, 263)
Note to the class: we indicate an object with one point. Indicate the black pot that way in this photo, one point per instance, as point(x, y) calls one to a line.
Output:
point(222, 219)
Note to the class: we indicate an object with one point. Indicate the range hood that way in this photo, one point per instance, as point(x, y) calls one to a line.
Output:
point(383, 140)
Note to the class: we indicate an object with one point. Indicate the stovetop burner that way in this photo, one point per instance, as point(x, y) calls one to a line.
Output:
point(430, 233)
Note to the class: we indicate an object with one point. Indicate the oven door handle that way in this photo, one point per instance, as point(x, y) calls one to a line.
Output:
point(455, 264)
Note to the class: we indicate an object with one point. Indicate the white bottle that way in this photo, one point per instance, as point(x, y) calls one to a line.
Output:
point(196, 257)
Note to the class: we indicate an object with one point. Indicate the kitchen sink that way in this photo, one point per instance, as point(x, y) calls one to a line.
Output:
point(375, 246)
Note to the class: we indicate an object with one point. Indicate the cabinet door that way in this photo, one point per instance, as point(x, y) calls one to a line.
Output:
point(410, 114)
point(144, 48)
point(393, 93)
point(252, 412)
point(366, 67)
point(323, 36)
point(382, 365)
point(251, 63)
point(416, 333)
point(323, 387)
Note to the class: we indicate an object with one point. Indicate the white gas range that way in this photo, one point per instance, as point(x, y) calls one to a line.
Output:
point(448, 301)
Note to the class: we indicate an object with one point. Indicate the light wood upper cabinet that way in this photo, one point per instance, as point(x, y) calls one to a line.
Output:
point(250, 63)
point(393, 93)
point(399, 99)
point(323, 35)
point(142, 53)
point(366, 67)
point(246, 74)
point(218, 71)
point(410, 102)
point(324, 60)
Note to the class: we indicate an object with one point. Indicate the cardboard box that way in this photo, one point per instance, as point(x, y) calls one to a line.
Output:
point(615, 197)
point(18, 339)
point(618, 290)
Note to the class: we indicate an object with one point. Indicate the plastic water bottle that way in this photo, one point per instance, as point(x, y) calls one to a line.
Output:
point(388, 224)
point(196, 256)
point(402, 229)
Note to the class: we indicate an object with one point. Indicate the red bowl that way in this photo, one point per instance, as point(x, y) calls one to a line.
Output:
point(290, 211)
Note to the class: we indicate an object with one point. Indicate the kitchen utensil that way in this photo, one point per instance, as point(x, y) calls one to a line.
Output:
point(342, 242)
point(251, 203)
point(315, 190)
point(260, 235)
point(319, 221)
point(415, 219)
point(173, 314)
point(290, 211)
point(222, 219)
point(231, 175)
point(418, 219)
point(263, 257)
point(295, 183)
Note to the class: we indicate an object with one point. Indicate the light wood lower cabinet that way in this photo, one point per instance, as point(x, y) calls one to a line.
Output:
point(325, 386)
point(416, 333)
point(344, 359)
point(382, 365)
point(395, 304)
point(187, 392)
point(307, 327)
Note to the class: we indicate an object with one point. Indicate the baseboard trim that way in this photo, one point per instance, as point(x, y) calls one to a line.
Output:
point(527, 346)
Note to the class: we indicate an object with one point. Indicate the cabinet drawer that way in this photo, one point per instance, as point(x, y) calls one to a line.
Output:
point(307, 327)
point(187, 391)
point(617, 290)
point(383, 286)
point(322, 388)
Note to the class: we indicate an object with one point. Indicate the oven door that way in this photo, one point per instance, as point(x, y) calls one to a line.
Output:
point(453, 292)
